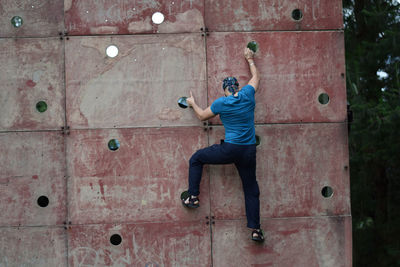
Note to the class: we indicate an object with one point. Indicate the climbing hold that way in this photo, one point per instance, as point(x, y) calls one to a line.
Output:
point(182, 102)
point(17, 21)
point(253, 46)
point(113, 144)
point(41, 106)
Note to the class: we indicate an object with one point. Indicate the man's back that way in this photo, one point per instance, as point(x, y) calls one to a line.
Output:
point(237, 115)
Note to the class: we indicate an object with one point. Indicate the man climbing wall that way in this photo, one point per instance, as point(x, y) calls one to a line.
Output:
point(236, 110)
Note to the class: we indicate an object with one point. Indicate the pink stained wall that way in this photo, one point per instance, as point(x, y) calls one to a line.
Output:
point(58, 56)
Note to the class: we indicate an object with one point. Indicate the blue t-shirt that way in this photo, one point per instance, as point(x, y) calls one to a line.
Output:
point(237, 115)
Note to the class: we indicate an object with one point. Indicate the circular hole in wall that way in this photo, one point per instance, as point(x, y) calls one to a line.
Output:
point(41, 106)
point(115, 239)
point(327, 191)
point(112, 51)
point(43, 201)
point(17, 21)
point(157, 18)
point(113, 144)
point(323, 98)
point(297, 14)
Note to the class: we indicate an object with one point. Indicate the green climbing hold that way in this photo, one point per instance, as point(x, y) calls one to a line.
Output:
point(253, 46)
point(113, 144)
point(41, 106)
point(17, 21)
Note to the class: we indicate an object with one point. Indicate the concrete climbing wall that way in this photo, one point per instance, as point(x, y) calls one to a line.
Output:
point(94, 149)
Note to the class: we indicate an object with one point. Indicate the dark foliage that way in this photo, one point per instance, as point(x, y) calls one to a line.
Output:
point(373, 45)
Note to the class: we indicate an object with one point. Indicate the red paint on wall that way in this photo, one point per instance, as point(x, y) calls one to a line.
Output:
point(145, 176)
point(129, 17)
point(102, 189)
point(27, 60)
point(30, 83)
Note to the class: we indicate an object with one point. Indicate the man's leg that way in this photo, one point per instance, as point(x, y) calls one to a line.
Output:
point(215, 154)
point(247, 171)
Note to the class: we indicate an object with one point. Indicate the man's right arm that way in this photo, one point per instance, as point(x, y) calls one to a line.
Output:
point(255, 79)
point(202, 114)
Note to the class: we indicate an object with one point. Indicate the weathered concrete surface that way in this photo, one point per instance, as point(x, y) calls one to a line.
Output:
point(151, 244)
point(86, 17)
point(135, 190)
point(40, 18)
point(140, 182)
point(140, 86)
point(33, 246)
point(294, 72)
point(261, 15)
point(313, 241)
point(294, 163)
point(31, 71)
point(32, 164)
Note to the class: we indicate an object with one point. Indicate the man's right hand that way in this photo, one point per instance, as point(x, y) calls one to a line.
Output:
point(202, 114)
point(190, 100)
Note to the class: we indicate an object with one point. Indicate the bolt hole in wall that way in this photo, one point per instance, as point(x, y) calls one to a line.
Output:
point(41, 106)
point(115, 239)
point(112, 51)
point(17, 21)
point(113, 144)
point(43, 201)
point(297, 14)
point(327, 192)
point(323, 98)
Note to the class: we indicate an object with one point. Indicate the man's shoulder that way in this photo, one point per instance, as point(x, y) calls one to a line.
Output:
point(217, 105)
point(248, 91)
point(248, 88)
point(219, 100)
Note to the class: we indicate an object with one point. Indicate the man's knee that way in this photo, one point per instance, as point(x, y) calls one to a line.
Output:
point(194, 160)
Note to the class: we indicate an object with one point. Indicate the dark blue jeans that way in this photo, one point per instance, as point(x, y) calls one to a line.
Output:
point(244, 158)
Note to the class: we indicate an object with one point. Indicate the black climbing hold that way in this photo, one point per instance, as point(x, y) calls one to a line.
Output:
point(182, 102)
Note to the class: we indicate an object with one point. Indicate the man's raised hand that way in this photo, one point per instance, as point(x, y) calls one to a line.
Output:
point(248, 53)
point(190, 100)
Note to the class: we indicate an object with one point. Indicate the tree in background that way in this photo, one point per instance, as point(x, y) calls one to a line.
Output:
point(373, 80)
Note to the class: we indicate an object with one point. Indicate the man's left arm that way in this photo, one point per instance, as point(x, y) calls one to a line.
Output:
point(202, 114)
